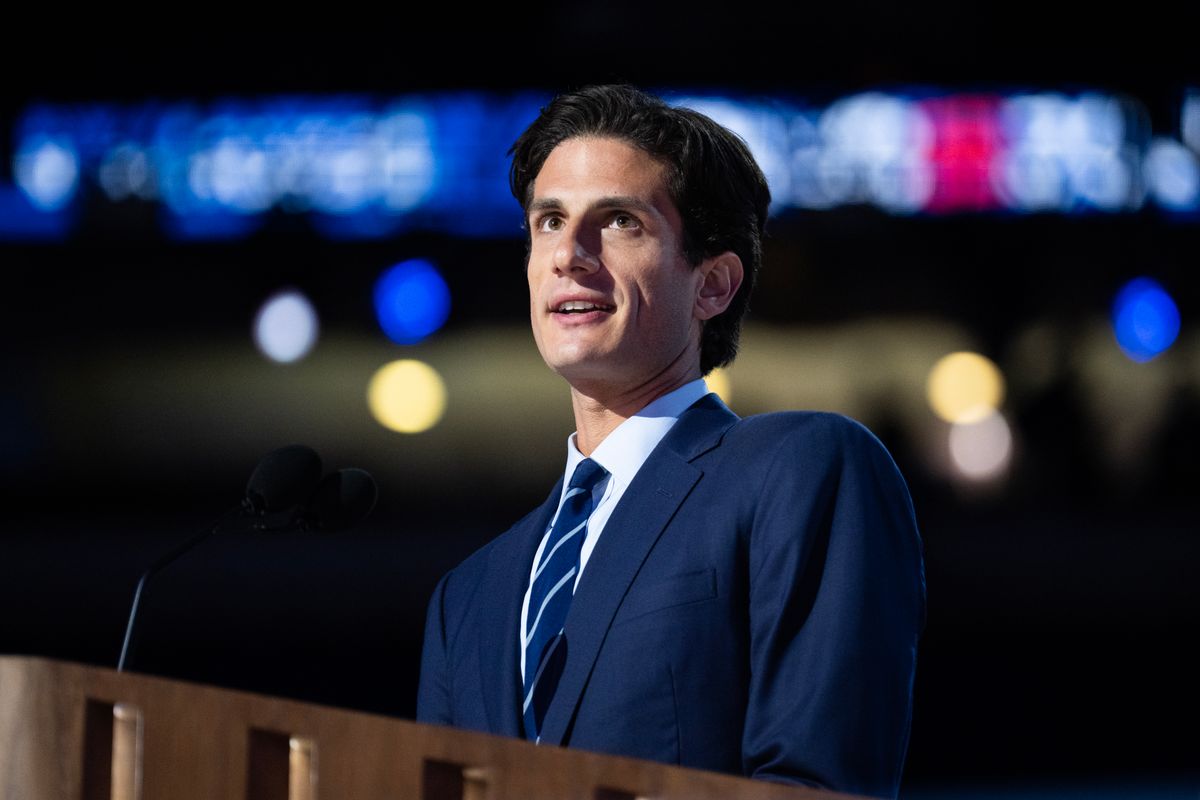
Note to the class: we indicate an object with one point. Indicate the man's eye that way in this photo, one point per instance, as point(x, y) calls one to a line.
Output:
point(624, 221)
point(549, 224)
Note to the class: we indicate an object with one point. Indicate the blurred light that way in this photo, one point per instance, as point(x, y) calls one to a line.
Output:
point(47, 170)
point(1172, 175)
point(233, 173)
point(469, 135)
point(407, 396)
point(981, 450)
point(966, 138)
point(1145, 319)
point(285, 328)
point(1190, 120)
point(125, 172)
point(1031, 181)
point(964, 387)
point(1101, 179)
point(1067, 153)
point(348, 174)
point(407, 168)
point(411, 301)
point(876, 150)
point(366, 168)
point(718, 381)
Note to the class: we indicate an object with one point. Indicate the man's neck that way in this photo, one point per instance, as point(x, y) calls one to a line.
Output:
point(598, 412)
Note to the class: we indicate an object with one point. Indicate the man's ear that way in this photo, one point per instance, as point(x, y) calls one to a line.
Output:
point(721, 277)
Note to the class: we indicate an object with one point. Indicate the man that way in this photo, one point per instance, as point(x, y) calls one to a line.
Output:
point(747, 593)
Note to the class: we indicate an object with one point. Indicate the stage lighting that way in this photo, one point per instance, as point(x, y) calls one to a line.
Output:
point(407, 396)
point(1172, 175)
point(1190, 120)
point(286, 326)
point(411, 301)
point(876, 150)
point(964, 387)
point(981, 450)
point(47, 170)
point(1067, 154)
point(1145, 319)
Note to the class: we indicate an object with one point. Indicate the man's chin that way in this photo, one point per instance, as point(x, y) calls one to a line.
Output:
point(593, 371)
point(571, 371)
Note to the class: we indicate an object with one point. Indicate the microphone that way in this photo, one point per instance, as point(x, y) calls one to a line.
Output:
point(282, 480)
point(341, 500)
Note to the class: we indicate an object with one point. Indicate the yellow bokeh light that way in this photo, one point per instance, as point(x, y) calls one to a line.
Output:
point(718, 381)
point(964, 387)
point(407, 396)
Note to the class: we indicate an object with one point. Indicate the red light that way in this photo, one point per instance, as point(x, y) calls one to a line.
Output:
point(966, 142)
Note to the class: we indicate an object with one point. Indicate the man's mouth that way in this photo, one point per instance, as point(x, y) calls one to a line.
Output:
point(580, 307)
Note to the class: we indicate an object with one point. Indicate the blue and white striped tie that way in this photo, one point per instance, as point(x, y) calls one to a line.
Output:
point(550, 596)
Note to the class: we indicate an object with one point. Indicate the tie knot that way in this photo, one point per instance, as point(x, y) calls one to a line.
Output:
point(587, 474)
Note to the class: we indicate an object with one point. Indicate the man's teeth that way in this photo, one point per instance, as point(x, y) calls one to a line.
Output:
point(577, 305)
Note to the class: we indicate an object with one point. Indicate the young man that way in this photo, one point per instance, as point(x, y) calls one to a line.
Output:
point(740, 595)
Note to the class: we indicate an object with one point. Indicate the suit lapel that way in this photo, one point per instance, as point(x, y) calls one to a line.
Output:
point(501, 594)
point(649, 503)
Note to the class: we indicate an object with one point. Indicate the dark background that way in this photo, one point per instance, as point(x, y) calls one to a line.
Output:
point(1063, 608)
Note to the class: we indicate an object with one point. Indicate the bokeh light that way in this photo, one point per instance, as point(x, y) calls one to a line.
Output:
point(981, 450)
point(1068, 153)
point(127, 171)
point(876, 149)
point(1189, 120)
point(407, 396)
point(411, 301)
point(1172, 175)
point(964, 387)
point(47, 170)
point(286, 326)
point(1145, 319)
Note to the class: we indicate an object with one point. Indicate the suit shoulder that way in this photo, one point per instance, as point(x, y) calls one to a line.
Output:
point(817, 433)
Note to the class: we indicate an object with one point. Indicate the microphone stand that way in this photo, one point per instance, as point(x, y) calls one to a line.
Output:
point(161, 563)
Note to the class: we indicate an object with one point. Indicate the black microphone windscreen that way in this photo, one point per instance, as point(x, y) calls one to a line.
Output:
point(342, 500)
point(284, 478)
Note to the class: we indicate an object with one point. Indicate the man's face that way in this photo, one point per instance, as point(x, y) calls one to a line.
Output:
point(612, 298)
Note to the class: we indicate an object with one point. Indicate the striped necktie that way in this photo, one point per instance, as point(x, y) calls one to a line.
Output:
point(550, 596)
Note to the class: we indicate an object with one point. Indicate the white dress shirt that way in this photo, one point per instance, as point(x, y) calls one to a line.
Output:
point(622, 454)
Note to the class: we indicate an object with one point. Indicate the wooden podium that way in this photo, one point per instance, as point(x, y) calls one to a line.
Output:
point(70, 732)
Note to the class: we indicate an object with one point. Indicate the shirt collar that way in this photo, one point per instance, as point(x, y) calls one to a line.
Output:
point(624, 450)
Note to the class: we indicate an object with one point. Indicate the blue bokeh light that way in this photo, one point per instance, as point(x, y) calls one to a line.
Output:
point(47, 170)
point(1145, 319)
point(411, 301)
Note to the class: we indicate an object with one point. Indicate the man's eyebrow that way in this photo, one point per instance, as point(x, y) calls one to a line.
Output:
point(544, 204)
point(624, 201)
point(613, 201)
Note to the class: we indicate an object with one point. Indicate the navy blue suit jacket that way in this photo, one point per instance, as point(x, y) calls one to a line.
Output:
point(752, 607)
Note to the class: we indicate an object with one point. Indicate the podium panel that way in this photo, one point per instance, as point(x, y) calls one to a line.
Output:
point(72, 732)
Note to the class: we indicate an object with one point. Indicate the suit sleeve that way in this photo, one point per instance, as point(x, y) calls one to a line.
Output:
point(837, 602)
point(433, 693)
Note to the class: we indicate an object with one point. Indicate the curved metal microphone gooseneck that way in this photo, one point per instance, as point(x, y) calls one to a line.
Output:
point(282, 480)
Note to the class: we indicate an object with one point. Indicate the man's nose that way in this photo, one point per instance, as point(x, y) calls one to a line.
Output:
point(577, 250)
